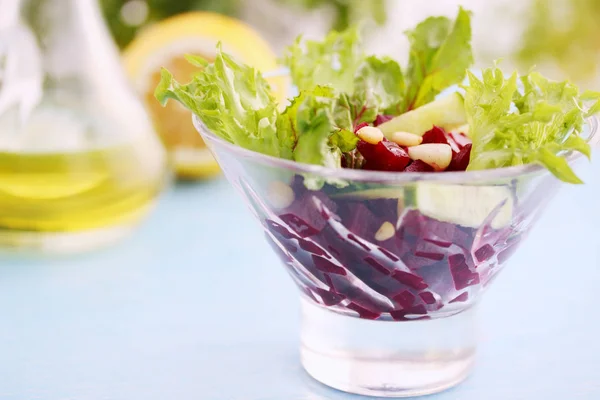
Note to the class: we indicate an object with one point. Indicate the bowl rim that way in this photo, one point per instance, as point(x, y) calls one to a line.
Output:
point(497, 174)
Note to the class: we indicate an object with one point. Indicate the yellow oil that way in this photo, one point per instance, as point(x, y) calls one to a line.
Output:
point(78, 190)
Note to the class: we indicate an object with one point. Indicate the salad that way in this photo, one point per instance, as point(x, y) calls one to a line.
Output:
point(494, 121)
point(407, 253)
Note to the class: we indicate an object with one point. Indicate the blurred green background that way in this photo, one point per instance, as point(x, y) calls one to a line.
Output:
point(124, 31)
point(565, 33)
point(562, 37)
point(346, 12)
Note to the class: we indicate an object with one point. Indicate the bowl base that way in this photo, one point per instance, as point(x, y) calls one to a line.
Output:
point(387, 359)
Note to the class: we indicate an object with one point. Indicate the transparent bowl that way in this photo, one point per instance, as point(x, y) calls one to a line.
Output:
point(390, 266)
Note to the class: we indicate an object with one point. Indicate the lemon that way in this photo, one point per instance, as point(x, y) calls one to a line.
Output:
point(164, 45)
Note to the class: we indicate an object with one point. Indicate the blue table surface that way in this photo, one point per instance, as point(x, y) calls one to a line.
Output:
point(195, 306)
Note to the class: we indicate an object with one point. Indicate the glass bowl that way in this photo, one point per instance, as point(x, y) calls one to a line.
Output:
point(390, 266)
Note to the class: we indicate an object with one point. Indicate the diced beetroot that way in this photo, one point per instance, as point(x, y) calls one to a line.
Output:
point(419, 166)
point(378, 266)
point(435, 135)
point(484, 253)
point(359, 296)
point(312, 248)
point(303, 215)
point(439, 243)
point(358, 218)
point(360, 242)
point(384, 156)
point(364, 259)
point(462, 298)
point(330, 250)
point(427, 248)
point(418, 310)
point(327, 266)
point(389, 255)
point(460, 161)
point(365, 218)
point(373, 268)
point(418, 225)
point(405, 299)
point(412, 223)
point(329, 271)
point(462, 275)
point(428, 298)
point(360, 126)
point(367, 150)
point(274, 227)
point(410, 279)
point(445, 232)
point(382, 119)
point(401, 315)
point(300, 226)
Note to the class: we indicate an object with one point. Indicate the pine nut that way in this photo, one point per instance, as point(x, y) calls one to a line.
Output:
point(370, 134)
point(438, 155)
point(385, 232)
point(406, 139)
point(280, 195)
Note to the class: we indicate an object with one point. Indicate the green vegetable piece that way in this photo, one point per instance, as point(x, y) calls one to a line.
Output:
point(233, 101)
point(332, 62)
point(557, 165)
point(467, 206)
point(313, 141)
point(345, 140)
point(379, 84)
point(440, 55)
point(447, 112)
point(537, 124)
point(319, 126)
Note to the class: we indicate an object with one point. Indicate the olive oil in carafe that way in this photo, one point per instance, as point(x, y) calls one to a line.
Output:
point(78, 190)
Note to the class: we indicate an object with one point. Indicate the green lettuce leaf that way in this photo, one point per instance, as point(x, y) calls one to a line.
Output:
point(440, 55)
point(345, 140)
point(332, 62)
point(233, 101)
point(379, 84)
point(313, 145)
point(287, 122)
point(537, 123)
point(320, 126)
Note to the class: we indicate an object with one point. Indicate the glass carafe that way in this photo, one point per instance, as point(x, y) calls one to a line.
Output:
point(80, 164)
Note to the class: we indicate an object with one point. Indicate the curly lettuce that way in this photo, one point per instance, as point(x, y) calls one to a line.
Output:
point(528, 120)
point(233, 101)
